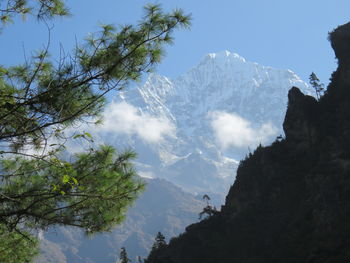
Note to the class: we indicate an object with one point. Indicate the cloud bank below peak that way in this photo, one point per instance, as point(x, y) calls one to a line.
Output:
point(231, 130)
point(124, 118)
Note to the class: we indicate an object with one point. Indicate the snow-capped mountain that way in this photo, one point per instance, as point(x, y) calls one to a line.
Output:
point(194, 129)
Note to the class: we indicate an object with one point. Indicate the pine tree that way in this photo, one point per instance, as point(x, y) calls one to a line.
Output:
point(208, 210)
point(315, 83)
point(206, 198)
point(124, 256)
point(159, 241)
point(41, 99)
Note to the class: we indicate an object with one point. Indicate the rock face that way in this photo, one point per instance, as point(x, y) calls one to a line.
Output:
point(290, 201)
point(301, 117)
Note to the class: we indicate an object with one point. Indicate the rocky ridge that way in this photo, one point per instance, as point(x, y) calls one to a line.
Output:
point(290, 201)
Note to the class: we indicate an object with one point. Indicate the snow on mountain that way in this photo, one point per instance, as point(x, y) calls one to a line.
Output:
point(194, 129)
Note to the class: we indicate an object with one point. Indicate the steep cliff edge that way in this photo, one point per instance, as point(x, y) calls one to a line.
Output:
point(290, 201)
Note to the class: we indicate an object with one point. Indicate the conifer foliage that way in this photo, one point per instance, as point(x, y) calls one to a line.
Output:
point(159, 241)
point(159, 244)
point(124, 256)
point(208, 210)
point(317, 85)
point(41, 99)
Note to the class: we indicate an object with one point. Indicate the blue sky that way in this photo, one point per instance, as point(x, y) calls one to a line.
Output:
point(282, 34)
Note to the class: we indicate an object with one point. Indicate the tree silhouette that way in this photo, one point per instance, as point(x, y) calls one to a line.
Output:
point(315, 83)
point(124, 256)
point(208, 210)
point(206, 198)
point(159, 241)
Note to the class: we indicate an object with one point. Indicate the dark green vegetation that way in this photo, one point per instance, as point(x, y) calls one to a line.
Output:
point(40, 100)
point(315, 83)
point(158, 245)
point(291, 200)
point(123, 257)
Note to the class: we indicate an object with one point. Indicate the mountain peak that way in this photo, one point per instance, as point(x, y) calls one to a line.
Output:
point(203, 105)
point(225, 56)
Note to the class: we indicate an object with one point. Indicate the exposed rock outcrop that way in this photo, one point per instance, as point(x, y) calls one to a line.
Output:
point(301, 118)
point(290, 201)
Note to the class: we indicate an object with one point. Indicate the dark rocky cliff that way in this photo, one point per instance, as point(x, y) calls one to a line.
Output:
point(291, 200)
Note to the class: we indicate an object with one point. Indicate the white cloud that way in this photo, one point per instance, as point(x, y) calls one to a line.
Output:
point(231, 130)
point(124, 118)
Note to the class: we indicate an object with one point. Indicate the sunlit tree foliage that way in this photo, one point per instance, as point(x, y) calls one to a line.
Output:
point(42, 98)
